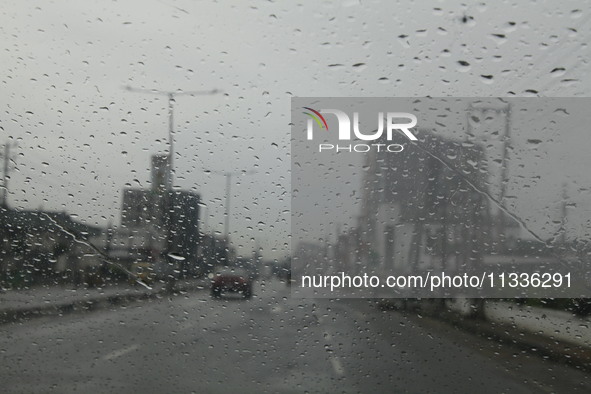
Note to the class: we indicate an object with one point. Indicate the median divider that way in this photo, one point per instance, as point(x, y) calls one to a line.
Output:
point(15, 306)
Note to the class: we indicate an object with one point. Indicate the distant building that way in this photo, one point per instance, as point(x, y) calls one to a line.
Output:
point(142, 208)
point(310, 255)
point(172, 216)
point(161, 172)
point(184, 224)
point(32, 242)
point(425, 207)
point(161, 220)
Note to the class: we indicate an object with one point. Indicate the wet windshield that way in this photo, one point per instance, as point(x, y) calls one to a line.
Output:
point(294, 197)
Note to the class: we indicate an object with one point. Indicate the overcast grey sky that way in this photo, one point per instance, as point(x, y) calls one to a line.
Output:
point(81, 137)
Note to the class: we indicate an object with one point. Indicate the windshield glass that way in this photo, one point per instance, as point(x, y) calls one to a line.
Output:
point(176, 218)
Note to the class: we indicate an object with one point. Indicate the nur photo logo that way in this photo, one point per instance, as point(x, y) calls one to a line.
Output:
point(387, 123)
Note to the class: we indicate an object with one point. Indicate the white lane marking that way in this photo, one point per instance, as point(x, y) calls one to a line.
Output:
point(360, 315)
point(317, 317)
point(337, 366)
point(187, 326)
point(277, 309)
point(118, 353)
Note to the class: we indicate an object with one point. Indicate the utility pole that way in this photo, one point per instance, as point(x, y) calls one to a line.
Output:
point(564, 214)
point(6, 170)
point(506, 140)
point(171, 99)
point(478, 303)
point(506, 110)
point(227, 217)
point(228, 175)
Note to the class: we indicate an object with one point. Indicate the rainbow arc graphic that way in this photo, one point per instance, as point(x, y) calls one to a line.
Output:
point(317, 116)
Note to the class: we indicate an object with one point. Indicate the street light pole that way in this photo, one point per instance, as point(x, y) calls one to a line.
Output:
point(229, 175)
point(171, 97)
point(6, 170)
point(170, 139)
point(506, 111)
point(227, 218)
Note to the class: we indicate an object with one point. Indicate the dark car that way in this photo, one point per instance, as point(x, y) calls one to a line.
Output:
point(231, 280)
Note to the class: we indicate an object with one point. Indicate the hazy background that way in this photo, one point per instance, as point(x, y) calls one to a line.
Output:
point(82, 138)
point(548, 156)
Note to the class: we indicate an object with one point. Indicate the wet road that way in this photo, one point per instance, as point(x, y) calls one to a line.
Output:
point(272, 343)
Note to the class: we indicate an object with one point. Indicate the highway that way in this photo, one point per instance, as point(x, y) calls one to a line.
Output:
point(272, 343)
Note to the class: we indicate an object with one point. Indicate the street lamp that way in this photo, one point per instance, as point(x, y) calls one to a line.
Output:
point(228, 175)
point(171, 95)
point(6, 177)
point(505, 110)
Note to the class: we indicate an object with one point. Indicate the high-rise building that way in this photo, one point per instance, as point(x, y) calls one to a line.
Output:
point(173, 215)
point(161, 172)
point(143, 208)
point(168, 218)
point(183, 235)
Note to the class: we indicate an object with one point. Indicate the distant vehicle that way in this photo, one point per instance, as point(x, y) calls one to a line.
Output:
point(143, 271)
point(231, 280)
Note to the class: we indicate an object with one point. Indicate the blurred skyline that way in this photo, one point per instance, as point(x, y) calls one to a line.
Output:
point(82, 137)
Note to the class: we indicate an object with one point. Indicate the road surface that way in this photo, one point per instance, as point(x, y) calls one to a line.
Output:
point(272, 343)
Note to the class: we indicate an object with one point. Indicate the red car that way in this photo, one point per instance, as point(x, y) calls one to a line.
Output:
point(231, 280)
